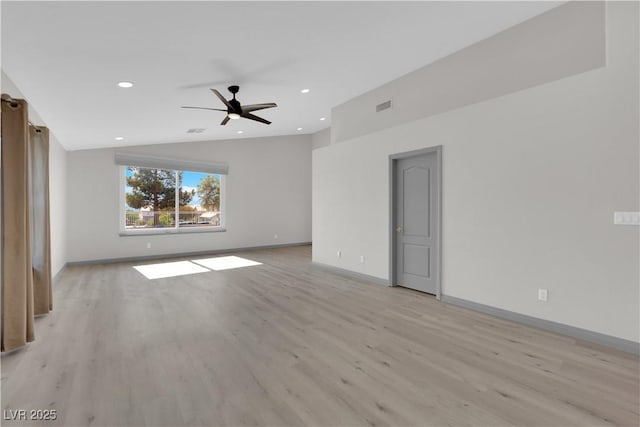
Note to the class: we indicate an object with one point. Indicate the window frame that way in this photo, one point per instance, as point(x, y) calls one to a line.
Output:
point(176, 229)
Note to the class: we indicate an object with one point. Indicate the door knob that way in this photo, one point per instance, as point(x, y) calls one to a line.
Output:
point(398, 229)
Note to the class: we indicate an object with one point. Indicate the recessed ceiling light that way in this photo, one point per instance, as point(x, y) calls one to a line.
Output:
point(305, 90)
point(119, 138)
point(240, 131)
point(299, 129)
point(125, 84)
point(323, 118)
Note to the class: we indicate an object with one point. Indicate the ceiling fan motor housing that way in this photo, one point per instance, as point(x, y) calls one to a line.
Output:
point(236, 106)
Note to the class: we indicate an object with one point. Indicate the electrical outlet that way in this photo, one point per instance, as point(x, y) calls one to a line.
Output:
point(361, 259)
point(275, 236)
point(626, 218)
point(543, 294)
point(339, 254)
point(148, 245)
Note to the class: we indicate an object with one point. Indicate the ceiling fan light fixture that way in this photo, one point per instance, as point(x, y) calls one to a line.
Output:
point(235, 110)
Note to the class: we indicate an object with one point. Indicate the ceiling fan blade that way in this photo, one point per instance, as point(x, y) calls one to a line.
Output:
point(225, 120)
point(256, 118)
point(205, 108)
point(255, 107)
point(222, 98)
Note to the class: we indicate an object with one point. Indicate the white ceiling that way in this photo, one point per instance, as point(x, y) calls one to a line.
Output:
point(66, 57)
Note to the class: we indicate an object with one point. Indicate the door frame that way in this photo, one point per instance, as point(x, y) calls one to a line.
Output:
point(393, 164)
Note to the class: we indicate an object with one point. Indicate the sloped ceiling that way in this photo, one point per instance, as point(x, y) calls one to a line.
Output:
point(67, 57)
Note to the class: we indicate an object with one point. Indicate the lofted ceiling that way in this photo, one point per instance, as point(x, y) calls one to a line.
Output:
point(67, 58)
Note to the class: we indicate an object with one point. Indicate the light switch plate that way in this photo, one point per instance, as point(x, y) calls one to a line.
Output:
point(626, 218)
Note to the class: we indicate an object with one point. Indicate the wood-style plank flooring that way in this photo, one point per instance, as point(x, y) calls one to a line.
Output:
point(289, 344)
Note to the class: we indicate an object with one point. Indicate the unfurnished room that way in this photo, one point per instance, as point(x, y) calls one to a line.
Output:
point(320, 213)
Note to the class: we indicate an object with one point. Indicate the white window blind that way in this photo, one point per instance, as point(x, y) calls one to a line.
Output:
point(127, 159)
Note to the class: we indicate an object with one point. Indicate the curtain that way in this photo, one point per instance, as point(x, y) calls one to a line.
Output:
point(40, 234)
point(17, 274)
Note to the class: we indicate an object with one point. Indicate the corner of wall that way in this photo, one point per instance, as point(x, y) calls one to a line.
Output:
point(320, 139)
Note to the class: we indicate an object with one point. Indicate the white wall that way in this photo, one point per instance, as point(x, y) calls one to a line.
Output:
point(57, 183)
point(268, 192)
point(530, 184)
point(320, 139)
point(58, 204)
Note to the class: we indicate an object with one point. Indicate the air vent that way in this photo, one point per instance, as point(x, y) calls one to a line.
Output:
point(385, 105)
point(195, 130)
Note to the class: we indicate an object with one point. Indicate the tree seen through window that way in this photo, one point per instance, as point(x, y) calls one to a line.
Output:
point(150, 198)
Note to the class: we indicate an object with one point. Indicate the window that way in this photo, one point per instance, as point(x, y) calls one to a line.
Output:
point(169, 200)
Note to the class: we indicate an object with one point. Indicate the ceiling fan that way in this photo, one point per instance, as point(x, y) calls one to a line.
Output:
point(235, 110)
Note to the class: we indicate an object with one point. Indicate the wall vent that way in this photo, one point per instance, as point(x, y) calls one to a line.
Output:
point(195, 130)
point(385, 105)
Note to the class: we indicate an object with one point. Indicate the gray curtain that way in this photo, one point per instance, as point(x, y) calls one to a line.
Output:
point(17, 273)
point(40, 234)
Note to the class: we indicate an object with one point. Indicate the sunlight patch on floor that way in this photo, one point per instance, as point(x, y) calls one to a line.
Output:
point(169, 269)
point(182, 268)
point(226, 262)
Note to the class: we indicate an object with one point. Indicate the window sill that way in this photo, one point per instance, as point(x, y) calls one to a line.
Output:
point(159, 232)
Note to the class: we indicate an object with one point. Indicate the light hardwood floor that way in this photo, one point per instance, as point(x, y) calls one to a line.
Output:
point(286, 343)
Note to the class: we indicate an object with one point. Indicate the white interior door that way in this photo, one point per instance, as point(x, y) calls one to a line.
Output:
point(417, 225)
